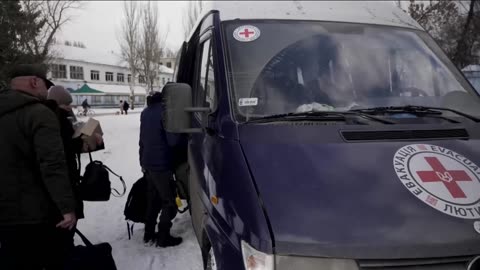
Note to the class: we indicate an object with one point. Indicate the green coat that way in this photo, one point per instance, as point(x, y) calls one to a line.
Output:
point(34, 183)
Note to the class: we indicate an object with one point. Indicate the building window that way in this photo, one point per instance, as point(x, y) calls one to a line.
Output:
point(95, 75)
point(59, 71)
point(97, 99)
point(168, 79)
point(169, 64)
point(109, 76)
point(129, 78)
point(161, 63)
point(76, 72)
point(140, 99)
point(141, 79)
point(120, 77)
point(109, 99)
point(163, 80)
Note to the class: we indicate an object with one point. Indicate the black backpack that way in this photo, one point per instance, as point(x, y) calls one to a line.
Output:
point(95, 183)
point(136, 206)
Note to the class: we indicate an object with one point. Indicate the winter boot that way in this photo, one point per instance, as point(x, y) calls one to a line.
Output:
point(164, 239)
point(148, 238)
point(149, 235)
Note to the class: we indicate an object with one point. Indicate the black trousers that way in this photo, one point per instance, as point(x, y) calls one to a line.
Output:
point(34, 247)
point(161, 197)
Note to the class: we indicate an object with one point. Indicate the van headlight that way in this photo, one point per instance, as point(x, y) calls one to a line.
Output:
point(256, 260)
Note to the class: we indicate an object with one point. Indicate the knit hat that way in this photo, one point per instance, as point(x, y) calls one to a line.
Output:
point(60, 95)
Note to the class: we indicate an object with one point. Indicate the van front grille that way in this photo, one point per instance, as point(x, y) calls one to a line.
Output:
point(451, 263)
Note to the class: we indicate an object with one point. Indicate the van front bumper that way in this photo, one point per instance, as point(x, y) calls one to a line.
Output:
point(310, 263)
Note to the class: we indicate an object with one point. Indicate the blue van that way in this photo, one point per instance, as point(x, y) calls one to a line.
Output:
point(326, 135)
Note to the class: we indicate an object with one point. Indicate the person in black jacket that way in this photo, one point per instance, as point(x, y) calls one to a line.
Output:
point(37, 206)
point(157, 163)
point(59, 101)
point(126, 106)
point(85, 107)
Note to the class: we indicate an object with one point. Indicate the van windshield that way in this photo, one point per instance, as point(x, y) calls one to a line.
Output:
point(291, 66)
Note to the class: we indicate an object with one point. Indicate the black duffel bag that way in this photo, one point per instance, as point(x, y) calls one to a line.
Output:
point(95, 183)
point(91, 257)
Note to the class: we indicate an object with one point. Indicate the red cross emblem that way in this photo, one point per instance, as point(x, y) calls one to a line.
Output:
point(448, 178)
point(246, 33)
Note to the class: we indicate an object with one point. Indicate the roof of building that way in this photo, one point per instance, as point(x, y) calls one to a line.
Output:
point(88, 55)
point(113, 89)
point(471, 68)
point(369, 12)
point(164, 69)
point(95, 57)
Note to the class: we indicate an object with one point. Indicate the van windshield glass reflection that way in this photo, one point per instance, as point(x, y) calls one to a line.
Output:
point(304, 66)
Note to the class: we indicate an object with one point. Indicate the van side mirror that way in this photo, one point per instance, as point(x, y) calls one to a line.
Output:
point(178, 108)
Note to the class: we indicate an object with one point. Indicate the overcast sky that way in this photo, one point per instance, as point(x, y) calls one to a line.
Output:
point(97, 25)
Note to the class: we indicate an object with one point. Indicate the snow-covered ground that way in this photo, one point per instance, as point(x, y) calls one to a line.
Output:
point(106, 111)
point(105, 221)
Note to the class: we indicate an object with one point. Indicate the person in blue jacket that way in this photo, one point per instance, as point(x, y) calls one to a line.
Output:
point(156, 159)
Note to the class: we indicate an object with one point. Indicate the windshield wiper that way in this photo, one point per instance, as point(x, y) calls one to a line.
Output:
point(319, 116)
point(417, 110)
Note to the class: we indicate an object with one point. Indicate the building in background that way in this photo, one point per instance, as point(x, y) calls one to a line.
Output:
point(100, 77)
point(168, 62)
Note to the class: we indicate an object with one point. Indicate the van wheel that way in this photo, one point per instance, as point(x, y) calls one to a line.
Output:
point(211, 262)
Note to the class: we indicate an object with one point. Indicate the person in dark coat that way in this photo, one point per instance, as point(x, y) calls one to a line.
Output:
point(85, 107)
point(156, 160)
point(126, 106)
point(59, 101)
point(37, 205)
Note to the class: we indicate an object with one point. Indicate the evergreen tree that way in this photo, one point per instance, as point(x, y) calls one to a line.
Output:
point(15, 27)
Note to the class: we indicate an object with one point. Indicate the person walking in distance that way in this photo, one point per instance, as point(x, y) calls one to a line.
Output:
point(126, 106)
point(156, 162)
point(37, 205)
point(121, 106)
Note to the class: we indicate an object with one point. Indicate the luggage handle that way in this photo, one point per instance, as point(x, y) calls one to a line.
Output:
point(115, 192)
point(84, 239)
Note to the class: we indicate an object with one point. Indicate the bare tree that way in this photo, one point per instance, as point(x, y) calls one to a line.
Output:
point(398, 3)
point(465, 42)
point(151, 46)
point(129, 42)
point(453, 24)
point(52, 15)
point(193, 11)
